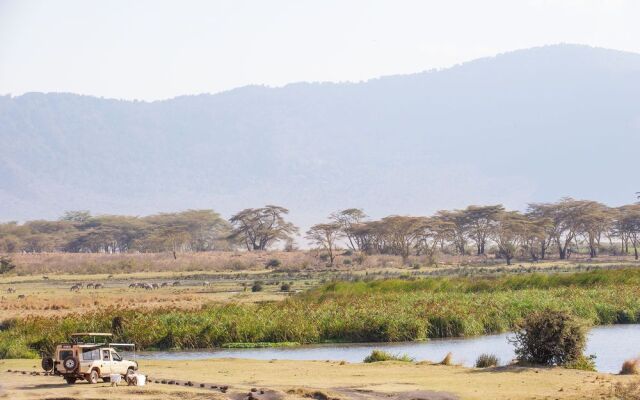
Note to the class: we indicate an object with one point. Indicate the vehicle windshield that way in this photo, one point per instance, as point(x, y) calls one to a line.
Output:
point(116, 356)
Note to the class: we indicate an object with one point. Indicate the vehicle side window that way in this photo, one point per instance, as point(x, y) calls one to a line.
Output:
point(90, 354)
point(116, 356)
point(105, 355)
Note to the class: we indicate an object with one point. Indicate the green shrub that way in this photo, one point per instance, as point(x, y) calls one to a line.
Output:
point(584, 363)
point(381, 355)
point(257, 287)
point(487, 360)
point(6, 264)
point(550, 337)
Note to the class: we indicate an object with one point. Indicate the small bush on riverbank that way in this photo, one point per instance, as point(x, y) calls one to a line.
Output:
point(550, 337)
point(381, 355)
point(630, 367)
point(487, 361)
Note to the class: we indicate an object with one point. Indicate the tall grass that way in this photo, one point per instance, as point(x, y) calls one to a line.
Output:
point(381, 311)
point(596, 278)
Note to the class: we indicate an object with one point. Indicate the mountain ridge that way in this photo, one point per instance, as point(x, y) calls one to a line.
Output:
point(393, 145)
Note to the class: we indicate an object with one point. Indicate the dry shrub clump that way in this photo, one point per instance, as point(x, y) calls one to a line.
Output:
point(630, 367)
point(447, 360)
point(626, 391)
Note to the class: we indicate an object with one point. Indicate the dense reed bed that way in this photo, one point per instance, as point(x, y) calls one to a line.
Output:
point(378, 311)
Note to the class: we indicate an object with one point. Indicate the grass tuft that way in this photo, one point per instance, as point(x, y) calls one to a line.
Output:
point(381, 355)
point(487, 361)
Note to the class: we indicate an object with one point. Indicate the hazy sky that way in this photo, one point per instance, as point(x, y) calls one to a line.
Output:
point(159, 49)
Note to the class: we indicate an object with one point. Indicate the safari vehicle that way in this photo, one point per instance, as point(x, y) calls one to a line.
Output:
point(90, 360)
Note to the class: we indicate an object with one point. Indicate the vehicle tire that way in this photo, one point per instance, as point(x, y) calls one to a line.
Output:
point(70, 379)
point(47, 364)
point(70, 364)
point(93, 376)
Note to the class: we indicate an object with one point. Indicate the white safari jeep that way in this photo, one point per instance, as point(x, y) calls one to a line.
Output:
point(88, 360)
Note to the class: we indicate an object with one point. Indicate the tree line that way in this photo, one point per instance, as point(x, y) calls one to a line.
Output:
point(562, 228)
point(81, 232)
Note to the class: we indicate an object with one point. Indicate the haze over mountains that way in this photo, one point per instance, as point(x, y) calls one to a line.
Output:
point(531, 125)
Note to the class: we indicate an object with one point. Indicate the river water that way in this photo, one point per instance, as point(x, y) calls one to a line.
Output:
point(611, 344)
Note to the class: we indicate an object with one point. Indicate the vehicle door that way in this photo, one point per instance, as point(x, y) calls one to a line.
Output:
point(106, 365)
point(117, 366)
point(90, 358)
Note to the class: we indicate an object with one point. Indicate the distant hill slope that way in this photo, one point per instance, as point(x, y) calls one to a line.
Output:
point(534, 124)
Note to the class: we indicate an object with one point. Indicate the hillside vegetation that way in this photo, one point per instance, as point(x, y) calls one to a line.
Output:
point(507, 127)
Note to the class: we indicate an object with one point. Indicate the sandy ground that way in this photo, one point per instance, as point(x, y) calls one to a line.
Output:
point(319, 380)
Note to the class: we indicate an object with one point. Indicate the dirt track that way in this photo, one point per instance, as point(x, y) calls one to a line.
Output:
point(278, 380)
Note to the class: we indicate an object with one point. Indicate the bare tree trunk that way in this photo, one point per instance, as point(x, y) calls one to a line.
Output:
point(563, 252)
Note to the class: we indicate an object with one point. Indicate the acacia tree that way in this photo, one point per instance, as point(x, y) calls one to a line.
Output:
point(628, 225)
point(479, 223)
point(508, 233)
point(433, 232)
point(401, 234)
point(326, 237)
point(259, 228)
point(347, 220)
point(535, 240)
point(564, 222)
point(593, 220)
point(457, 233)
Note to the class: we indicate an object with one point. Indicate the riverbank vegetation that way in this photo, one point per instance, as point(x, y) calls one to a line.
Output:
point(349, 312)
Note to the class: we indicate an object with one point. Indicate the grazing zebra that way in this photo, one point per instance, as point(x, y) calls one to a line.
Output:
point(206, 283)
point(164, 284)
point(75, 288)
point(98, 286)
point(11, 290)
point(155, 286)
point(176, 283)
point(21, 296)
point(89, 285)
